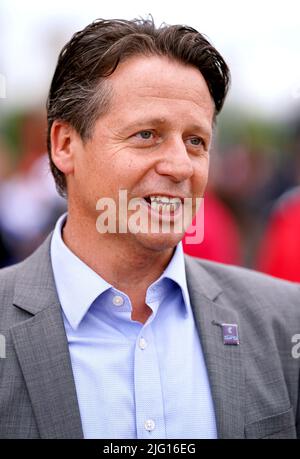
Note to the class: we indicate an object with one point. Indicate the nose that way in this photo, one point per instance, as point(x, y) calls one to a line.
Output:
point(175, 161)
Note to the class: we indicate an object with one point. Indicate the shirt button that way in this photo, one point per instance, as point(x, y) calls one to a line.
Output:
point(118, 300)
point(142, 343)
point(149, 425)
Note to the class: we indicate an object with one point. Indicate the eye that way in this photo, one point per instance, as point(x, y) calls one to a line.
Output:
point(145, 135)
point(196, 141)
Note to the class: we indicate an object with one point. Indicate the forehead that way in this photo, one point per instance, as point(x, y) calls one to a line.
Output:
point(154, 80)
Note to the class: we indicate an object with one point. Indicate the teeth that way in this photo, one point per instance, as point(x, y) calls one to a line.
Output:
point(164, 203)
point(164, 200)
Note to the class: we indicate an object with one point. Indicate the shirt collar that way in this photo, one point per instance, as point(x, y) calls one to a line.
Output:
point(77, 296)
point(176, 272)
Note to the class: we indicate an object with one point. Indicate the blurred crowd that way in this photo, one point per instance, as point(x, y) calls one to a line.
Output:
point(29, 203)
point(252, 204)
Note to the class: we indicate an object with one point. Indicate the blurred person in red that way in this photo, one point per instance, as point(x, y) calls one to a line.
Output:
point(221, 236)
point(221, 240)
point(279, 250)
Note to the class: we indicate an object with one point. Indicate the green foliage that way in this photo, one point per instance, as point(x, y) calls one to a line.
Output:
point(10, 132)
point(236, 127)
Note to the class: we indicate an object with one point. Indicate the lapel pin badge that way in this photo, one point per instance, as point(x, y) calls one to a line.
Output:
point(230, 334)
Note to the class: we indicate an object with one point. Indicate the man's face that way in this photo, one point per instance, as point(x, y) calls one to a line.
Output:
point(153, 142)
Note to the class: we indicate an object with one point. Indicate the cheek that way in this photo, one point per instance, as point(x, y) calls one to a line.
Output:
point(200, 177)
point(94, 167)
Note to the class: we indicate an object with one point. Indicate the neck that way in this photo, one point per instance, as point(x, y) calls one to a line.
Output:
point(118, 260)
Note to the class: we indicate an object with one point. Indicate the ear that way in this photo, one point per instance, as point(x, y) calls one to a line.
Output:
point(64, 138)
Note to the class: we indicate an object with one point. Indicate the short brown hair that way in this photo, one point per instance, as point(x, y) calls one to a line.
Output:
point(79, 93)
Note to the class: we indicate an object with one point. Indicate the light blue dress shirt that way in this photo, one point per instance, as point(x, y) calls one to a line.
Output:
point(133, 380)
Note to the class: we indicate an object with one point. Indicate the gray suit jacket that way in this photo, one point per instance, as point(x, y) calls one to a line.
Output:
point(255, 385)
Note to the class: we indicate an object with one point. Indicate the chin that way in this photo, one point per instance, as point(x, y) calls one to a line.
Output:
point(159, 242)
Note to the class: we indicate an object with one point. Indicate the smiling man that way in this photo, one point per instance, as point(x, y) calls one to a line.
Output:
point(152, 142)
point(117, 334)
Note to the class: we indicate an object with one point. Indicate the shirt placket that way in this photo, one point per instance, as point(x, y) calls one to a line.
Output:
point(150, 421)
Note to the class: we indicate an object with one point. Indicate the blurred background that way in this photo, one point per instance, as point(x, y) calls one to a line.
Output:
point(252, 206)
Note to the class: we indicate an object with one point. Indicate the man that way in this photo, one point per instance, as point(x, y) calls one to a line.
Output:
point(115, 334)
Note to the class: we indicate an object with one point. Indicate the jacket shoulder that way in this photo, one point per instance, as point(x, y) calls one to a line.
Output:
point(7, 280)
point(246, 286)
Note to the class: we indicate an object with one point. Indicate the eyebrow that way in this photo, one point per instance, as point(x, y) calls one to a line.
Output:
point(153, 121)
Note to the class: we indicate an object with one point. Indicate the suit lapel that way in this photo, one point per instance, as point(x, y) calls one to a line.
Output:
point(42, 349)
point(224, 362)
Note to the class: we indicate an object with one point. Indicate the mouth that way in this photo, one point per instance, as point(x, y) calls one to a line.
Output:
point(164, 204)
